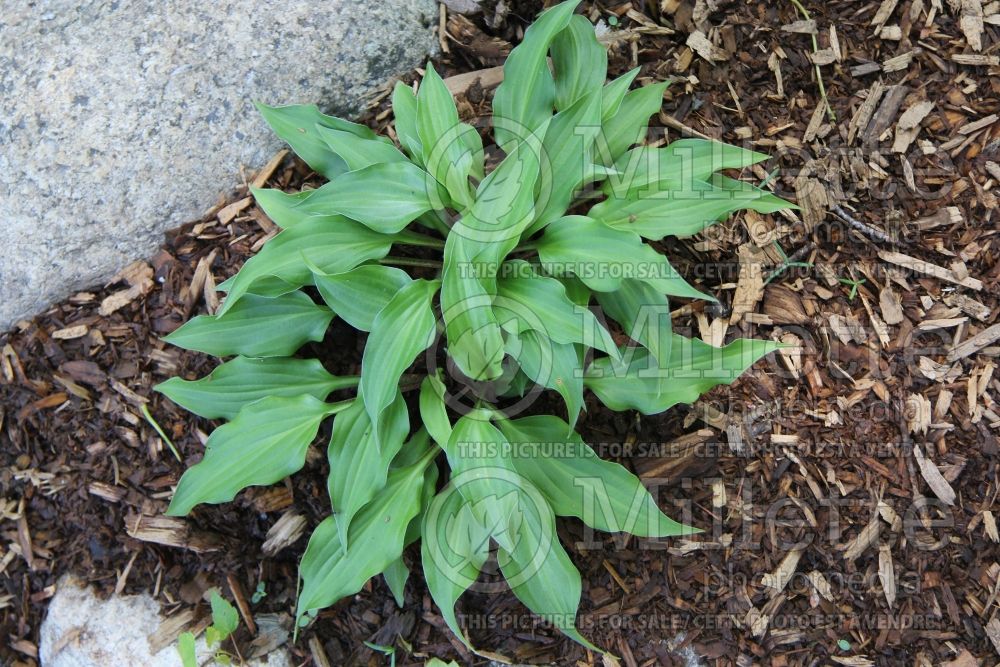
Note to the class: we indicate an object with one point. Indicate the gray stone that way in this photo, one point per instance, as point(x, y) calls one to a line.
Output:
point(81, 630)
point(119, 120)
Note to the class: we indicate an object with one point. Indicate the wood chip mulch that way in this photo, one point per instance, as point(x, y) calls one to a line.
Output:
point(847, 487)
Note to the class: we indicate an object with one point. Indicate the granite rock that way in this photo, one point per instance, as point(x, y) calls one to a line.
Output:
point(82, 630)
point(119, 120)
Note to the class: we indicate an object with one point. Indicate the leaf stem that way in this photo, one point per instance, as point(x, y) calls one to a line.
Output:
point(340, 406)
point(819, 73)
point(409, 237)
point(152, 422)
point(412, 261)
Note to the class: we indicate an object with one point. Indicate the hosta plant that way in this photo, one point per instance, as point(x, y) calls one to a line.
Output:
point(484, 274)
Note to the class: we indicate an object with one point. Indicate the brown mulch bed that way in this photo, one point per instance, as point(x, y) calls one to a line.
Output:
point(846, 490)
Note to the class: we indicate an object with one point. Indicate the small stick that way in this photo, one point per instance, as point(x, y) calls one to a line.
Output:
point(241, 602)
point(152, 422)
point(819, 73)
point(865, 229)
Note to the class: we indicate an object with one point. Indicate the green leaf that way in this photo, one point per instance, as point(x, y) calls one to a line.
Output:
point(525, 98)
point(330, 571)
point(359, 463)
point(644, 313)
point(479, 454)
point(568, 154)
point(384, 197)
point(602, 257)
point(413, 450)
point(358, 152)
point(296, 124)
point(404, 108)
point(628, 125)
point(682, 165)
point(243, 380)
point(541, 304)
point(266, 442)
point(333, 244)
point(280, 206)
point(474, 341)
point(401, 330)
point(553, 366)
point(256, 327)
point(541, 574)
point(505, 203)
point(614, 93)
point(395, 576)
point(577, 292)
point(185, 647)
point(676, 212)
point(762, 201)
point(433, 411)
point(454, 547)
point(446, 150)
point(577, 482)
point(637, 383)
point(225, 618)
point(580, 62)
point(358, 295)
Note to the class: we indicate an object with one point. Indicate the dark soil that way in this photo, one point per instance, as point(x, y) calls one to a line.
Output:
point(793, 461)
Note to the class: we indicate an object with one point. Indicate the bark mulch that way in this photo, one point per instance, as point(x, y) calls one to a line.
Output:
point(847, 486)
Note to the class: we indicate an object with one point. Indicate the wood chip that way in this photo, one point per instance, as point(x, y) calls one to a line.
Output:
point(971, 22)
point(969, 306)
point(778, 579)
point(993, 632)
point(285, 532)
point(886, 574)
point(892, 33)
point(883, 13)
point(107, 492)
point(749, 287)
point(863, 540)
point(918, 413)
point(892, 308)
point(864, 113)
point(488, 78)
point(900, 62)
point(976, 343)
point(949, 215)
point(921, 266)
point(932, 475)
point(963, 659)
point(264, 174)
point(139, 276)
point(823, 57)
point(170, 629)
point(975, 126)
point(886, 113)
point(975, 59)
point(69, 333)
point(317, 652)
point(702, 45)
point(990, 526)
point(821, 585)
point(172, 532)
point(908, 126)
point(801, 27)
point(229, 212)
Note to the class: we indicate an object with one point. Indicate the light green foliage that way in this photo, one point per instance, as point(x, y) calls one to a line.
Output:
point(225, 620)
point(523, 285)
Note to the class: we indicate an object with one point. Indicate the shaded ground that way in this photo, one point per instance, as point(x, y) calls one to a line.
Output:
point(822, 478)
